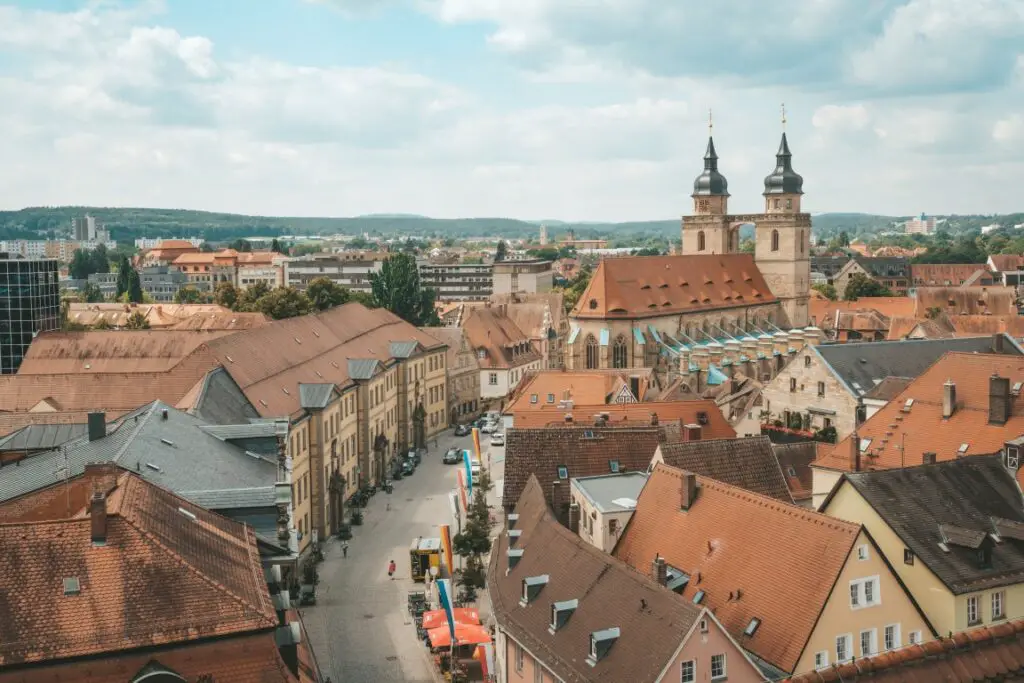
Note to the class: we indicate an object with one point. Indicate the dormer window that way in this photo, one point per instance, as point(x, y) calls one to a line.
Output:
point(532, 586)
point(601, 643)
point(560, 613)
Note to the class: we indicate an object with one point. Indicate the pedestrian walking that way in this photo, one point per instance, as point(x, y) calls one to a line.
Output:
point(391, 570)
point(344, 549)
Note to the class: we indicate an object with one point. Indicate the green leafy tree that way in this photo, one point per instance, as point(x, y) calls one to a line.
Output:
point(576, 288)
point(275, 246)
point(249, 298)
point(135, 294)
point(226, 294)
point(100, 259)
point(187, 295)
point(826, 290)
point(124, 267)
point(323, 294)
point(501, 252)
point(397, 288)
point(284, 302)
point(81, 266)
point(241, 245)
point(91, 293)
point(545, 253)
point(475, 540)
point(136, 321)
point(363, 298)
point(860, 285)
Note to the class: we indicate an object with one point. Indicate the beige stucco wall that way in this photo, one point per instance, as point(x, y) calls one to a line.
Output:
point(777, 397)
point(822, 481)
point(298, 450)
point(839, 618)
point(435, 395)
point(527, 673)
point(946, 611)
point(347, 441)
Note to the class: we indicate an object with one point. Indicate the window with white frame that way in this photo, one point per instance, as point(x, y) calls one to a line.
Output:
point(973, 613)
point(862, 552)
point(844, 648)
point(688, 672)
point(868, 642)
point(519, 657)
point(914, 637)
point(892, 637)
point(492, 379)
point(821, 659)
point(717, 667)
point(865, 593)
point(999, 605)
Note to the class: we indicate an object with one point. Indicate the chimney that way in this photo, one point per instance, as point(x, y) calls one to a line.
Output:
point(688, 490)
point(948, 399)
point(654, 419)
point(97, 426)
point(568, 418)
point(659, 570)
point(855, 452)
point(998, 400)
point(693, 432)
point(997, 342)
point(98, 515)
point(163, 414)
point(928, 458)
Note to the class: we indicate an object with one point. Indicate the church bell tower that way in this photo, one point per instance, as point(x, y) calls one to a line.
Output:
point(783, 239)
point(706, 230)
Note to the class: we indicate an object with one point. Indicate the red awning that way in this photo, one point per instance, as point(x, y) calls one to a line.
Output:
point(465, 634)
point(438, 617)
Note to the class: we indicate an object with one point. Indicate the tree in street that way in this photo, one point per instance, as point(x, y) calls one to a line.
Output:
point(91, 293)
point(100, 259)
point(324, 293)
point(501, 252)
point(248, 299)
point(397, 288)
point(861, 285)
point(135, 294)
point(123, 267)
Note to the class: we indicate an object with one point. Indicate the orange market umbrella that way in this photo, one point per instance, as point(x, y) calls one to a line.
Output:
point(465, 634)
point(437, 617)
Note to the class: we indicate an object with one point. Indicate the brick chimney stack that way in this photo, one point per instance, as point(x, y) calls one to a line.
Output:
point(659, 570)
point(855, 452)
point(98, 515)
point(688, 490)
point(998, 400)
point(948, 399)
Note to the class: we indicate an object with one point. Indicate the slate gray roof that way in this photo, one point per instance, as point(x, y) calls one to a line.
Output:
point(315, 396)
point(251, 430)
point(403, 349)
point(885, 266)
point(362, 368)
point(862, 365)
point(749, 463)
point(221, 401)
point(607, 491)
point(41, 437)
point(225, 499)
point(172, 453)
point(966, 493)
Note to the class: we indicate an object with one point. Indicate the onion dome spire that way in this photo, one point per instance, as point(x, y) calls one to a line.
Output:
point(784, 180)
point(710, 183)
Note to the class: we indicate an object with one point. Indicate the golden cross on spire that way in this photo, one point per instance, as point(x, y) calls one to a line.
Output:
point(711, 122)
point(783, 116)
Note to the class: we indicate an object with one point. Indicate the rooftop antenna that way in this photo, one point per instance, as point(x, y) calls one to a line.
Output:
point(783, 117)
point(711, 122)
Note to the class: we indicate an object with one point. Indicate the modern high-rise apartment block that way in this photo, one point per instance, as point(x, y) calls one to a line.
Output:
point(29, 304)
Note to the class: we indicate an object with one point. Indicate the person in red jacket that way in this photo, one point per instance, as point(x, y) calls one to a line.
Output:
point(391, 570)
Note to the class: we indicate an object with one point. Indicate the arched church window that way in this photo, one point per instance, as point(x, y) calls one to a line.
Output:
point(593, 355)
point(775, 239)
point(700, 241)
point(620, 353)
point(776, 203)
point(789, 203)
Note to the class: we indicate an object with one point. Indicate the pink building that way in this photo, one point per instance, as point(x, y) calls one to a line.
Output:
point(566, 611)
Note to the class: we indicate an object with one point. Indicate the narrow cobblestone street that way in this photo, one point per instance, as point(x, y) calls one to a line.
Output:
point(360, 628)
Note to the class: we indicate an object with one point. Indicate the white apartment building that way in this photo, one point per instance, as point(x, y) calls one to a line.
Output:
point(351, 273)
point(154, 242)
point(921, 225)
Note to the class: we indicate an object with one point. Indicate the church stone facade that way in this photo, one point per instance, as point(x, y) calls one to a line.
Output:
point(637, 311)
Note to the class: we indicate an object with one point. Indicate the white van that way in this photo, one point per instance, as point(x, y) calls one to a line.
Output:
point(474, 469)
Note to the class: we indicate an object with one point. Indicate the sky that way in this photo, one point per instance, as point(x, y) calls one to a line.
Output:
point(577, 110)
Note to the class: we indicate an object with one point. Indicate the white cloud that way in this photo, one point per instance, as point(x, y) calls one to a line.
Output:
point(113, 107)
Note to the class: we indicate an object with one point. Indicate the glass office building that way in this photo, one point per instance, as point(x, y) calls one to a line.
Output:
point(29, 304)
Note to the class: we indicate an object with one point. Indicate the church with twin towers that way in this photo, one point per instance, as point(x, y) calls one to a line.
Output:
point(639, 311)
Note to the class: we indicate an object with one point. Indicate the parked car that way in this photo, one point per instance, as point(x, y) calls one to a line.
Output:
point(462, 430)
point(452, 456)
point(489, 428)
point(497, 439)
point(408, 467)
point(415, 456)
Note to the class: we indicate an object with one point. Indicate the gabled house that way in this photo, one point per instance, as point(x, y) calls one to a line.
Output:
point(565, 611)
point(825, 385)
point(964, 405)
point(892, 272)
point(1008, 268)
point(504, 352)
point(797, 589)
point(463, 373)
point(953, 531)
point(748, 463)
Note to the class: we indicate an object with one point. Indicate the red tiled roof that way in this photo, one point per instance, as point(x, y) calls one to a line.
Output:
point(644, 286)
point(585, 387)
point(990, 654)
point(634, 415)
point(248, 658)
point(966, 301)
point(899, 438)
point(799, 555)
point(489, 329)
point(945, 274)
point(1007, 262)
point(162, 577)
point(823, 311)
